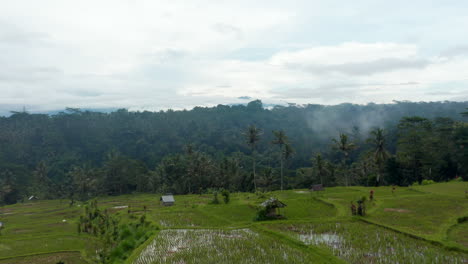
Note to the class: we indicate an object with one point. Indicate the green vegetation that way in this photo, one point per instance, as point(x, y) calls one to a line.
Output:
point(106, 173)
point(78, 155)
point(318, 226)
point(357, 242)
point(237, 246)
point(55, 258)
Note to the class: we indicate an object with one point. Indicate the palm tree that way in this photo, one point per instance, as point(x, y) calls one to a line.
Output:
point(288, 151)
point(380, 154)
point(252, 136)
point(345, 147)
point(320, 166)
point(281, 140)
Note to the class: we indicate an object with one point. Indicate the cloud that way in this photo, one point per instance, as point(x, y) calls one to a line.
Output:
point(11, 34)
point(228, 29)
point(455, 51)
point(352, 58)
point(177, 54)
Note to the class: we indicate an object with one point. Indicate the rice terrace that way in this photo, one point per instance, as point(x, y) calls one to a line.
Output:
point(233, 132)
point(420, 224)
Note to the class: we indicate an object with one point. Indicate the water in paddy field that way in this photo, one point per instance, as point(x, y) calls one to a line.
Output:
point(332, 240)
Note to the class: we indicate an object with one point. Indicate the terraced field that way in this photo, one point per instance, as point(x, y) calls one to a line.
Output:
point(423, 224)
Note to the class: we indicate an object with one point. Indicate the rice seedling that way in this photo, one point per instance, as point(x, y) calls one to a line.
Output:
point(358, 242)
point(218, 246)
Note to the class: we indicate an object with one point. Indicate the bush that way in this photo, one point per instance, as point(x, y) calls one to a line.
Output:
point(261, 214)
point(462, 219)
point(226, 196)
point(427, 182)
point(215, 198)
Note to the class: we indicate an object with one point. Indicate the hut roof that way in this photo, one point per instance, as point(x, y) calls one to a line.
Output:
point(317, 187)
point(273, 203)
point(167, 199)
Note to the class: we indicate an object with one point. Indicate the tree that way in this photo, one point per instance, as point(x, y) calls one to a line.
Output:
point(465, 113)
point(252, 136)
point(319, 165)
point(83, 182)
point(281, 140)
point(41, 182)
point(414, 148)
point(380, 154)
point(345, 147)
point(288, 152)
point(9, 192)
point(267, 178)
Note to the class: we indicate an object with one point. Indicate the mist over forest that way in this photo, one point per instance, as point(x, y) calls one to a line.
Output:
point(87, 153)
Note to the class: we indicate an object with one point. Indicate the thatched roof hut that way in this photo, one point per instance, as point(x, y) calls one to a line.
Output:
point(272, 206)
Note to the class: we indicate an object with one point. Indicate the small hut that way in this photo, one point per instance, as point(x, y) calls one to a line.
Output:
point(317, 188)
point(167, 200)
point(272, 207)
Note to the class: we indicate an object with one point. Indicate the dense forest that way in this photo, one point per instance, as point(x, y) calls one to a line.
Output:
point(79, 154)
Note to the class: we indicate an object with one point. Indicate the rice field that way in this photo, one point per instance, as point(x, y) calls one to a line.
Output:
point(218, 246)
point(358, 242)
point(316, 228)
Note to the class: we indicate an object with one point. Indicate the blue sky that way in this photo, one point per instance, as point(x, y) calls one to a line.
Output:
point(152, 55)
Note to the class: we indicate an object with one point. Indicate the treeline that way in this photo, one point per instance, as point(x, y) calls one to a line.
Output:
point(81, 154)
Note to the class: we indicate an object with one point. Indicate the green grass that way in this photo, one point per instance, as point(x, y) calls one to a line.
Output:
point(459, 234)
point(429, 212)
point(429, 216)
point(455, 188)
point(19, 247)
point(358, 242)
point(66, 257)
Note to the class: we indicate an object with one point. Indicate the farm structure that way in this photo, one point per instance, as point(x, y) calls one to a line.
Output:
point(272, 207)
point(167, 200)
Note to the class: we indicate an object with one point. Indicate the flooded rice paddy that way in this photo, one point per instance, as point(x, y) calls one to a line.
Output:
point(357, 242)
point(218, 246)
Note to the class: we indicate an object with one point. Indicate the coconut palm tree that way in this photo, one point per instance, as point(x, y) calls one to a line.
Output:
point(319, 165)
point(380, 154)
point(345, 147)
point(281, 140)
point(287, 153)
point(252, 136)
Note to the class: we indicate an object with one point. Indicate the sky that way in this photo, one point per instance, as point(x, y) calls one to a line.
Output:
point(155, 54)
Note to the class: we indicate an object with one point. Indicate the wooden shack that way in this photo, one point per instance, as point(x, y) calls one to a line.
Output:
point(317, 188)
point(272, 207)
point(167, 200)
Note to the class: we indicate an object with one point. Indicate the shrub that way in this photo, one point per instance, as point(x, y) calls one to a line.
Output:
point(427, 182)
point(226, 196)
point(261, 214)
point(215, 198)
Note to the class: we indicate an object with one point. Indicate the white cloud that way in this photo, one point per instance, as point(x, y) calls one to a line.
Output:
point(174, 54)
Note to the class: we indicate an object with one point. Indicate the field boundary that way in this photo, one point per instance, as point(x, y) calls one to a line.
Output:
point(51, 236)
point(434, 242)
point(313, 251)
point(46, 253)
point(136, 253)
